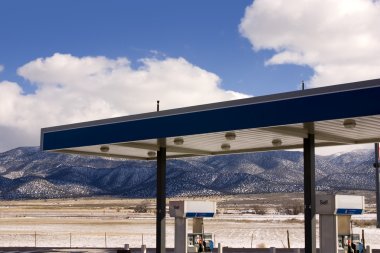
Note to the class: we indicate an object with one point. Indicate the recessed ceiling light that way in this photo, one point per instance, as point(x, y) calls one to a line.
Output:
point(225, 147)
point(151, 154)
point(104, 148)
point(349, 123)
point(178, 141)
point(230, 136)
point(277, 142)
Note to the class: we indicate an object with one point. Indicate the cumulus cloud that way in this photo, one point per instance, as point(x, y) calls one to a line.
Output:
point(338, 39)
point(72, 89)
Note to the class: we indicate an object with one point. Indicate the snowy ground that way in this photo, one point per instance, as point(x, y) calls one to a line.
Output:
point(112, 223)
point(232, 231)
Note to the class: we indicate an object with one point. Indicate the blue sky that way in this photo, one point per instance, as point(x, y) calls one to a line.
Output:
point(77, 60)
point(205, 33)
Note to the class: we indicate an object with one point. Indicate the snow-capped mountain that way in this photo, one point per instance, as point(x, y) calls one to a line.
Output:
point(30, 173)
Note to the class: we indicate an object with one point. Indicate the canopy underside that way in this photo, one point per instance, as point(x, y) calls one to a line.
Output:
point(350, 131)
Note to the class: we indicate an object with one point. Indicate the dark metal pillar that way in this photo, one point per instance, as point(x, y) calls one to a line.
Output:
point(309, 193)
point(161, 201)
point(376, 165)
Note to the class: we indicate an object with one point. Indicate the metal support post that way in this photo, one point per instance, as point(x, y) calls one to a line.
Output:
point(198, 225)
point(376, 165)
point(220, 248)
point(328, 233)
point(161, 201)
point(309, 193)
point(180, 235)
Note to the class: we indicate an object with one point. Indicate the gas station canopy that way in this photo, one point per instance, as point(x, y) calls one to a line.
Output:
point(328, 116)
point(336, 115)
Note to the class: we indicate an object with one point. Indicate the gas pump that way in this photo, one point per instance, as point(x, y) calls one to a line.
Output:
point(345, 233)
point(335, 220)
point(195, 239)
point(185, 242)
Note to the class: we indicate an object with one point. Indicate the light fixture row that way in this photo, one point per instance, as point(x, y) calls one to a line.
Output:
point(231, 136)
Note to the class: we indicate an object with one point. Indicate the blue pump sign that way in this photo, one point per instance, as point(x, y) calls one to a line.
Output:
point(343, 211)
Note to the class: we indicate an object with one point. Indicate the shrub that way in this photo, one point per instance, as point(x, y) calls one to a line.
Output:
point(364, 223)
point(141, 208)
point(293, 209)
point(260, 210)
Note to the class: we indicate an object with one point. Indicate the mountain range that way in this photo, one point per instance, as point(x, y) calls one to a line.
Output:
point(28, 173)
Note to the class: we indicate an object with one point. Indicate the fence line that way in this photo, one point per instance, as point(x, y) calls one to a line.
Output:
point(73, 239)
point(91, 240)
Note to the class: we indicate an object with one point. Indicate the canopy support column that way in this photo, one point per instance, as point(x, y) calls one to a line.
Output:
point(376, 165)
point(309, 193)
point(161, 201)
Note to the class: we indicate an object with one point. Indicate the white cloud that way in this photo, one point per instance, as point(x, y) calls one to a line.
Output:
point(338, 39)
point(72, 89)
point(1, 68)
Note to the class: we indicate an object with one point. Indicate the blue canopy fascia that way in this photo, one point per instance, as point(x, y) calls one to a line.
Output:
point(327, 103)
